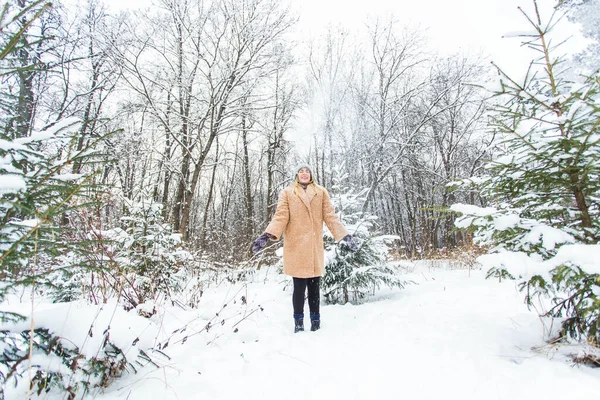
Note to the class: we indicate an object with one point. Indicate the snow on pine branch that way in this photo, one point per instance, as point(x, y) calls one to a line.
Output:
point(525, 266)
point(534, 231)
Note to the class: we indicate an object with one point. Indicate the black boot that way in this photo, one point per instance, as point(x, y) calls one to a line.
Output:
point(315, 322)
point(298, 323)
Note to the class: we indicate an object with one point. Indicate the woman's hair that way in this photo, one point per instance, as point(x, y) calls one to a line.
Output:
point(298, 186)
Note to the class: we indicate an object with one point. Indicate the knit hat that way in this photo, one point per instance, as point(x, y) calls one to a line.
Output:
point(299, 166)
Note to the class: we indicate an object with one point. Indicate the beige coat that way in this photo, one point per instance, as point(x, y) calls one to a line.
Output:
point(299, 216)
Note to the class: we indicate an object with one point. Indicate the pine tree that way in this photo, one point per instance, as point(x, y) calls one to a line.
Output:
point(350, 276)
point(37, 190)
point(543, 185)
point(38, 194)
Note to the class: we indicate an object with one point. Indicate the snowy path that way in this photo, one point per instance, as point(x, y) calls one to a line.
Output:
point(450, 336)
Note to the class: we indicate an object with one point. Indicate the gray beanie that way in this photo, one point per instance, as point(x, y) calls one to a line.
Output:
point(299, 166)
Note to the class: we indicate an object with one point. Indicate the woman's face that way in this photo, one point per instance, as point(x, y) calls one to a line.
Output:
point(304, 175)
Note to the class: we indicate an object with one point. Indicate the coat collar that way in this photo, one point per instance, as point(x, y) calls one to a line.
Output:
point(308, 195)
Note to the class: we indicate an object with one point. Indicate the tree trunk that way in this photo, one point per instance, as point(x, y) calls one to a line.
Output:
point(210, 197)
point(586, 221)
point(249, 206)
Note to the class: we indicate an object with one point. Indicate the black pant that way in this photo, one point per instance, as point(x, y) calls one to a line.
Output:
point(300, 285)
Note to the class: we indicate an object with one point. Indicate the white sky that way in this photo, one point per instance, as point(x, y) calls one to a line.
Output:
point(452, 26)
point(460, 25)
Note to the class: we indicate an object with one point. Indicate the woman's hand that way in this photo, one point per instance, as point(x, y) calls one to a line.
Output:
point(261, 242)
point(350, 242)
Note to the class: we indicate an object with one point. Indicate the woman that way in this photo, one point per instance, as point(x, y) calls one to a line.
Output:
point(301, 210)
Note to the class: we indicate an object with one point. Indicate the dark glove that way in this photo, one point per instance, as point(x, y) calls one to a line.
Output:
point(349, 241)
point(261, 242)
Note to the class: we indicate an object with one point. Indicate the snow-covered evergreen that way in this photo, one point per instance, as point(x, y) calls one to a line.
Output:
point(349, 275)
point(543, 186)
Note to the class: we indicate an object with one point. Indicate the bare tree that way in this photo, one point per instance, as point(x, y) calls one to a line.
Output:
point(407, 127)
point(329, 85)
point(389, 110)
point(206, 55)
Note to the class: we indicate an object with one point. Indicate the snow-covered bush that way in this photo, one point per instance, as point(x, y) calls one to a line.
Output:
point(71, 371)
point(349, 276)
point(543, 188)
point(72, 350)
point(136, 262)
point(148, 252)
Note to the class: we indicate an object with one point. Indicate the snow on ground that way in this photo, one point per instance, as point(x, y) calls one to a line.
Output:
point(451, 334)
